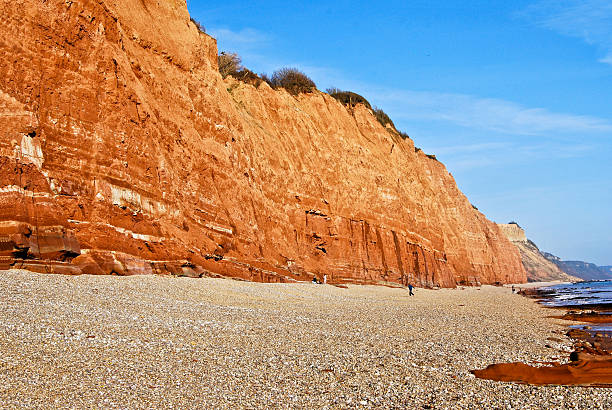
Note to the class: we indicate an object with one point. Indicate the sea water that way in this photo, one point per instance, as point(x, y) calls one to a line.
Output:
point(597, 294)
point(584, 296)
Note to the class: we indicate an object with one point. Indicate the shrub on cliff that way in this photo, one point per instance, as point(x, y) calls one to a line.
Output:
point(265, 78)
point(292, 80)
point(247, 76)
point(348, 98)
point(430, 156)
point(382, 117)
point(351, 99)
point(231, 64)
point(198, 25)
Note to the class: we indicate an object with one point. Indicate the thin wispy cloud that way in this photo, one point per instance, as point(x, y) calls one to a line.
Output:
point(553, 192)
point(251, 45)
point(244, 39)
point(488, 114)
point(472, 148)
point(254, 46)
point(462, 157)
point(606, 60)
point(589, 20)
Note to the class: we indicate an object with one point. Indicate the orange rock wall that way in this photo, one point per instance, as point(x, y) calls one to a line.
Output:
point(121, 143)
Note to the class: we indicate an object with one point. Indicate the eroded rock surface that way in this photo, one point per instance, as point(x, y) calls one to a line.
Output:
point(123, 151)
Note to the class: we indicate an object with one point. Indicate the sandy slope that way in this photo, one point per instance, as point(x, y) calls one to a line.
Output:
point(162, 341)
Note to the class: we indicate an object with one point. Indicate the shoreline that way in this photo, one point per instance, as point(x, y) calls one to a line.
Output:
point(591, 359)
point(536, 285)
point(90, 341)
point(589, 338)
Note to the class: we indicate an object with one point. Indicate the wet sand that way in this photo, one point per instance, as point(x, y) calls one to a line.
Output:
point(153, 341)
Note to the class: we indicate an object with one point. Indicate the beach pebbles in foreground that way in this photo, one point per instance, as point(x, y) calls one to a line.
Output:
point(152, 341)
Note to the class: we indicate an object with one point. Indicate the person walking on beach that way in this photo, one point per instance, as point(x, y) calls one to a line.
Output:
point(410, 290)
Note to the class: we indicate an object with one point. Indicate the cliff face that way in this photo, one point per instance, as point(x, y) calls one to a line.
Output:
point(123, 151)
point(538, 267)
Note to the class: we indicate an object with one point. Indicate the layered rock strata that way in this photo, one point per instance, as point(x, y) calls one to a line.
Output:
point(538, 267)
point(123, 151)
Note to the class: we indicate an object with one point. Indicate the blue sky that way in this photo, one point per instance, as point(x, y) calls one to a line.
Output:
point(515, 98)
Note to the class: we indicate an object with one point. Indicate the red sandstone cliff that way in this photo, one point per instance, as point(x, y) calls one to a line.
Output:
point(123, 151)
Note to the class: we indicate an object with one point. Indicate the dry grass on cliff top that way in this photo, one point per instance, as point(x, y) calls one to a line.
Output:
point(175, 342)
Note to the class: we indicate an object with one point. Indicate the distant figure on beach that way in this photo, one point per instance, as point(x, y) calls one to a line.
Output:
point(512, 288)
point(315, 280)
point(410, 290)
point(325, 279)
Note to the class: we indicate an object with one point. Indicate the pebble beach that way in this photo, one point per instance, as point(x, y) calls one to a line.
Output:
point(168, 342)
